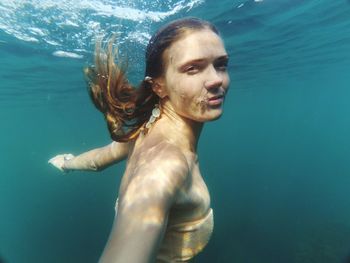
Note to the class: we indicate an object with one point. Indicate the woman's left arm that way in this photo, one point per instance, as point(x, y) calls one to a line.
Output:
point(93, 160)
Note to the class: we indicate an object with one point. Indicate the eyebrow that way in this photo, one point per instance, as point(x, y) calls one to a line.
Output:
point(202, 60)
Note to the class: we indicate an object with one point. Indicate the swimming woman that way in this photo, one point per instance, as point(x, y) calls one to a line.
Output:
point(163, 211)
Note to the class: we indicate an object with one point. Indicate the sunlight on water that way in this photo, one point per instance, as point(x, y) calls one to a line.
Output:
point(264, 38)
point(73, 24)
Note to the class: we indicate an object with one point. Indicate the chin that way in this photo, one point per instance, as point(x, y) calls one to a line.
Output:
point(215, 114)
point(204, 116)
point(208, 118)
point(215, 118)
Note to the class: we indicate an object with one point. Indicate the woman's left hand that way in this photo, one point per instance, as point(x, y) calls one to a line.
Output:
point(59, 160)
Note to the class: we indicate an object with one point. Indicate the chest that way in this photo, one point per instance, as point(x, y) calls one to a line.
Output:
point(194, 200)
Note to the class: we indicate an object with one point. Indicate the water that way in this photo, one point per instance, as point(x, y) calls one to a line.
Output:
point(276, 163)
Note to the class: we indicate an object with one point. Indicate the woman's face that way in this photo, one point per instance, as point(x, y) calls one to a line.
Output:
point(196, 78)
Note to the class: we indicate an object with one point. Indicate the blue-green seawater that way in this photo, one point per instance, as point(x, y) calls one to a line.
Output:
point(277, 164)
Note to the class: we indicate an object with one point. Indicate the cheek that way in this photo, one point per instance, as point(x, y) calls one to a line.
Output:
point(227, 80)
point(181, 96)
point(192, 100)
point(185, 101)
point(189, 94)
point(186, 94)
point(179, 90)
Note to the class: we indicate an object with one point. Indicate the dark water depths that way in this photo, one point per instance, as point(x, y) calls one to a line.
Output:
point(276, 164)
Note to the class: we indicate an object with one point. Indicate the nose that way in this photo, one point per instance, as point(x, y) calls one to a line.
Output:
point(214, 79)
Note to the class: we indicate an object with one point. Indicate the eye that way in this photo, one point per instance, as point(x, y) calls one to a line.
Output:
point(222, 65)
point(192, 69)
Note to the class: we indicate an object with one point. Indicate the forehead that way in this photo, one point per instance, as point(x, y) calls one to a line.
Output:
point(202, 44)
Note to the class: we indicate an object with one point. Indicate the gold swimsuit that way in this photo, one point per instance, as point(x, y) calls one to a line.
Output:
point(183, 241)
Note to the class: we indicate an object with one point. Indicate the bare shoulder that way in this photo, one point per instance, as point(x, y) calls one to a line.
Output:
point(158, 172)
point(168, 158)
point(167, 163)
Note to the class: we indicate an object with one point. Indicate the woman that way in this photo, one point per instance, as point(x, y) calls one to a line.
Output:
point(163, 208)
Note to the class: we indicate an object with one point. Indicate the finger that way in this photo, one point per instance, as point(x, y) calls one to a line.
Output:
point(53, 158)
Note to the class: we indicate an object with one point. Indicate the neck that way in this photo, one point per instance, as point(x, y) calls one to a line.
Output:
point(179, 130)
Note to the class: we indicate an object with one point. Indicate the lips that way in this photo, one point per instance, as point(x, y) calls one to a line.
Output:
point(216, 100)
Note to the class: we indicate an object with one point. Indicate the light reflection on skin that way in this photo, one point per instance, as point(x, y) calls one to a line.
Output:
point(162, 176)
point(162, 184)
point(196, 71)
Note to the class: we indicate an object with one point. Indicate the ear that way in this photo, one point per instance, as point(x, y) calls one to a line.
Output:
point(158, 87)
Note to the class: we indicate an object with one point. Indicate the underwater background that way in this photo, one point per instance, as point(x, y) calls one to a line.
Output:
point(277, 164)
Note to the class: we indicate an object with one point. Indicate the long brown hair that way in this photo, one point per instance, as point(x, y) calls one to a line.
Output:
point(125, 107)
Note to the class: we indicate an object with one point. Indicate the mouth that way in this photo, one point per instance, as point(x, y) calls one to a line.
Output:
point(216, 100)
